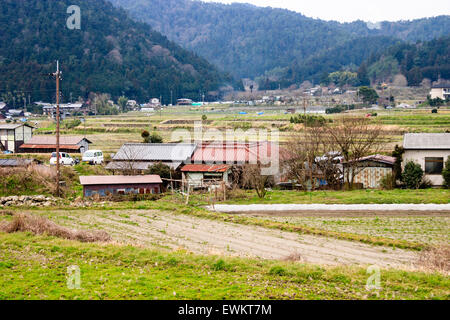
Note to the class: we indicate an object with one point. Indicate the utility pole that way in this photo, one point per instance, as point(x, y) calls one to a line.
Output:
point(57, 75)
point(171, 98)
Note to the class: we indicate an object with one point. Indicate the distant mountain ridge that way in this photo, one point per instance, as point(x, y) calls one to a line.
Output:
point(249, 41)
point(111, 53)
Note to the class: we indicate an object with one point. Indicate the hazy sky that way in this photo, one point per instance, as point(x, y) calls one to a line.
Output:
point(350, 10)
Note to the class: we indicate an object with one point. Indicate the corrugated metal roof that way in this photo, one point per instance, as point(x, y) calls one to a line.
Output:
point(426, 141)
point(205, 168)
point(138, 165)
point(15, 162)
point(51, 140)
point(49, 146)
point(379, 158)
point(11, 126)
point(176, 152)
point(105, 180)
point(234, 152)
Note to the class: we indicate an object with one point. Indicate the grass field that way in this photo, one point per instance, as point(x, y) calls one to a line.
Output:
point(35, 267)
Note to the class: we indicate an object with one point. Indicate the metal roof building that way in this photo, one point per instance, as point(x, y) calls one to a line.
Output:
point(104, 185)
point(47, 144)
point(426, 141)
point(140, 156)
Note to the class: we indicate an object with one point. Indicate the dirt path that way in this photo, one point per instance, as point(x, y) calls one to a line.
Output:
point(204, 236)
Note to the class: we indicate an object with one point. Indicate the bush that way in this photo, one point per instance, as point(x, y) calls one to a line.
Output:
point(278, 271)
point(388, 182)
point(70, 124)
point(412, 175)
point(446, 173)
point(434, 111)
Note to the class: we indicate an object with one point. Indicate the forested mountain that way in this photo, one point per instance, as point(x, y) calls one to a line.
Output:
point(111, 53)
point(249, 41)
point(423, 60)
point(347, 56)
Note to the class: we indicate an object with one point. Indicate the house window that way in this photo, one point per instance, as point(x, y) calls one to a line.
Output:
point(434, 165)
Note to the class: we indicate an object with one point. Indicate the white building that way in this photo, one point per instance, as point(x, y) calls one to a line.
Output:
point(430, 150)
point(441, 91)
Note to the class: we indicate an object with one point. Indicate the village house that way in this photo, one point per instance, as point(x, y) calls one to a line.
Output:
point(47, 144)
point(441, 91)
point(205, 175)
point(65, 110)
point(430, 150)
point(12, 136)
point(138, 157)
point(370, 170)
point(236, 154)
point(105, 185)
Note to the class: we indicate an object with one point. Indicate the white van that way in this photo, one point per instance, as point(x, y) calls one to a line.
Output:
point(93, 157)
point(64, 159)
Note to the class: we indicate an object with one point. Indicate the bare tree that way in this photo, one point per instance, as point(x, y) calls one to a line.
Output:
point(252, 178)
point(299, 158)
point(127, 160)
point(354, 138)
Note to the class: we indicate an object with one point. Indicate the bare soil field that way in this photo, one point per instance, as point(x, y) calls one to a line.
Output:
point(203, 236)
point(421, 227)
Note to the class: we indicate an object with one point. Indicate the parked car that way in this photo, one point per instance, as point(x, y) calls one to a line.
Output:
point(65, 159)
point(8, 152)
point(92, 157)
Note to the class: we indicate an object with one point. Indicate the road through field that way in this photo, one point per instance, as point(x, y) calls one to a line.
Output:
point(206, 236)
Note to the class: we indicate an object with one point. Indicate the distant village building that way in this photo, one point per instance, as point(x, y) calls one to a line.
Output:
point(184, 102)
point(430, 150)
point(441, 91)
point(371, 170)
point(105, 185)
point(47, 144)
point(65, 110)
point(12, 136)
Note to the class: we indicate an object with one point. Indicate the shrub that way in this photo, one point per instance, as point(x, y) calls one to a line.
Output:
point(412, 175)
point(278, 271)
point(446, 173)
point(434, 111)
point(388, 182)
point(219, 265)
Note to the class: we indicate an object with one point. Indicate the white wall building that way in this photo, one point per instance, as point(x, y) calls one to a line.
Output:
point(430, 150)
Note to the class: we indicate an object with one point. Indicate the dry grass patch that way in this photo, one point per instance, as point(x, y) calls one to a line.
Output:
point(436, 258)
point(40, 225)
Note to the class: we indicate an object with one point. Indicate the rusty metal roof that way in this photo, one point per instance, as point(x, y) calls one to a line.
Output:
point(234, 152)
point(111, 180)
point(49, 146)
point(205, 168)
point(51, 140)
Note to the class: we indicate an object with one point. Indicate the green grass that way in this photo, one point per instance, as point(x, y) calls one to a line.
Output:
point(438, 196)
point(35, 267)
